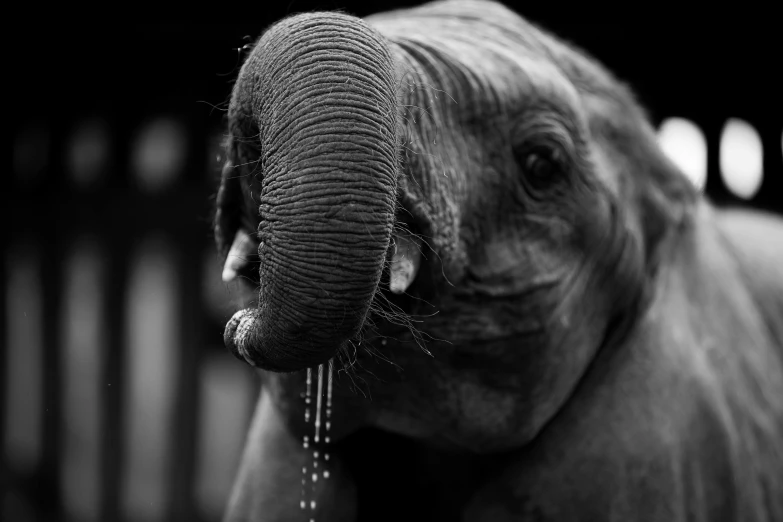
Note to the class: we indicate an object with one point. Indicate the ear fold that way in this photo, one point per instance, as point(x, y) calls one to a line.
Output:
point(654, 194)
point(228, 209)
point(664, 196)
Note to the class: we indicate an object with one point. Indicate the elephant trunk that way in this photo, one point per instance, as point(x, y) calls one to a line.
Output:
point(321, 91)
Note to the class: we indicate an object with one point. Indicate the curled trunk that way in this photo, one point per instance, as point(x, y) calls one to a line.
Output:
point(320, 90)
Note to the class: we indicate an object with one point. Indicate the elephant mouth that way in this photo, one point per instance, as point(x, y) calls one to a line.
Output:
point(405, 258)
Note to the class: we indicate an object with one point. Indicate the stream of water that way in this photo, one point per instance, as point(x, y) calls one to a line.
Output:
point(320, 446)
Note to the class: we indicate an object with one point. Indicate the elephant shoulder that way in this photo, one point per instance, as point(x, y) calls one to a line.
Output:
point(755, 240)
point(650, 437)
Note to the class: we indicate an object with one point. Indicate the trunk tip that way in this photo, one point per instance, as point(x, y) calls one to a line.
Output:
point(236, 333)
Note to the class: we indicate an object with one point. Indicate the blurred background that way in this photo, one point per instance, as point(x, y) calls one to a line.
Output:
point(117, 398)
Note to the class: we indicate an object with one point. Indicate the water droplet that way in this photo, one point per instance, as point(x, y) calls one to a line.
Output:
point(329, 390)
point(315, 454)
point(302, 504)
point(318, 402)
point(326, 456)
point(315, 477)
point(312, 504)
point(326, 473)
point(315, 464)
point(327, 440)
point(383, 342)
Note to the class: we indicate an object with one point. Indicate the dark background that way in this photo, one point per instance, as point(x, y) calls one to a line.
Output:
point(123, 74)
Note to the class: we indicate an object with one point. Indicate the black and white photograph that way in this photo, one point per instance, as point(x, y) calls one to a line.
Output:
point(343, 261)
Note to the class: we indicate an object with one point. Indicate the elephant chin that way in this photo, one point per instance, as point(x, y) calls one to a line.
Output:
point(319, 93)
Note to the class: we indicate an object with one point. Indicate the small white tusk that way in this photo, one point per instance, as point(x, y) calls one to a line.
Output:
point(405, 263)
point(242, 251)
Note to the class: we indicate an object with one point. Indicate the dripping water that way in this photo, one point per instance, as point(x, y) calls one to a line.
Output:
point(318, 442)
point(306, 438)
point(328, 423)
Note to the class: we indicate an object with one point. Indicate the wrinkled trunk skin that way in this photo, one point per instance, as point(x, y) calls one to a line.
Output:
point(322, 94)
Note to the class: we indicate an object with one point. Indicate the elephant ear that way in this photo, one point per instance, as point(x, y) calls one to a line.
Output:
point(654, 193)
point(665, 199)
point(234, 208)
point(227, 209)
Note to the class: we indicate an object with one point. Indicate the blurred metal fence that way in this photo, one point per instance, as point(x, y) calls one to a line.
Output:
point(118, 399)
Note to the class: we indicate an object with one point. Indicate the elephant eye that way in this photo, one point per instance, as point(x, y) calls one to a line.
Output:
point(541, 164)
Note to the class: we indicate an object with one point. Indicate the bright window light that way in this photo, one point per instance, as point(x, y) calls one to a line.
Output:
point(159, 153)
point(741, 156)
point(684, 143)
point(151, 381)
point(83, 336)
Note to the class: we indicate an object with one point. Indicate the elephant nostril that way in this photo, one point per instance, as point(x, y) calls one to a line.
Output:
point(237, 330)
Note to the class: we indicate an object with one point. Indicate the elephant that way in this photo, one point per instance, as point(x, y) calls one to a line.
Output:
point(521, 308)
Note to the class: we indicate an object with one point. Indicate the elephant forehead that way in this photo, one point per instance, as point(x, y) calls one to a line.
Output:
point(515, 70)
point(502, 55)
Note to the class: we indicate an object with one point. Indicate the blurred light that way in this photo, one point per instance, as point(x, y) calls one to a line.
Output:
point(88, 151)
point(159, 153)
point(684, 143)
point(227, 396)
point(84, 343)
point(741, 155)
point(215, 154)
point(31, 152)
point(152, 332)
point(24, 364)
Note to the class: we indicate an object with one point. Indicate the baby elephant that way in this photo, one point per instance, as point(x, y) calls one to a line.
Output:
point(479, 291)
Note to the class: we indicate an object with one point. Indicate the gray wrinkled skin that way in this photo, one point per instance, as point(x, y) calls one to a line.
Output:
point(606, 345)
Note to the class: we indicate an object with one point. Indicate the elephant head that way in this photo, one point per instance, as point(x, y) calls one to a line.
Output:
point(449, 198)
point(460, 132)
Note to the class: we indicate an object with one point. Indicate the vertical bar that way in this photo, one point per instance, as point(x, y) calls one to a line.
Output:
point(188, 357)
point(150, 363)
point(84, 342)
point(227, 395)
point(23, 380)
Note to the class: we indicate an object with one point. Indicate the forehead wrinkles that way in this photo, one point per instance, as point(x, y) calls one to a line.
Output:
point(503, 65)
point(499, 83)
point(515, 65)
